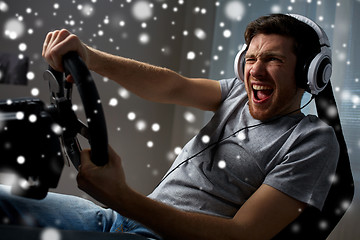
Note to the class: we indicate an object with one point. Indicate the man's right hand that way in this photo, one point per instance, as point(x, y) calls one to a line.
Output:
point(60, 42)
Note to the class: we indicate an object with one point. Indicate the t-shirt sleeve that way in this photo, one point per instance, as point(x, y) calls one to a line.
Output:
point(227, 85)
point(307, 169)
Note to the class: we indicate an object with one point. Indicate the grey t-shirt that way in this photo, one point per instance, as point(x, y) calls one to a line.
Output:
point(295, 154)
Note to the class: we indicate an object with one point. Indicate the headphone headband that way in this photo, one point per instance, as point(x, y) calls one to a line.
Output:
point(323, 39)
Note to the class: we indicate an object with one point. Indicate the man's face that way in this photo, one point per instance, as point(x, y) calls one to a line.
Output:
point(270, 76)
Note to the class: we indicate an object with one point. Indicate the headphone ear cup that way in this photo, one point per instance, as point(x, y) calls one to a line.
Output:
point(239, 63)
point(319, 71)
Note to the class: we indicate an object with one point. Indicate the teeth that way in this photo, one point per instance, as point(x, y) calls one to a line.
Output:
point(261, 87)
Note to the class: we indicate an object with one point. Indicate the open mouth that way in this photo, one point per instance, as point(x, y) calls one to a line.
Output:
point(261, 92)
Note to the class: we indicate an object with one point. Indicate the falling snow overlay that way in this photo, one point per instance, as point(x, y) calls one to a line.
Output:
point(197, 38)
point(50, 234)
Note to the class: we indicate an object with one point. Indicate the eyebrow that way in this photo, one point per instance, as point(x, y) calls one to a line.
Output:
point(266, 54)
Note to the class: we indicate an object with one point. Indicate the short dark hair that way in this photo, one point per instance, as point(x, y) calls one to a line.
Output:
point(306, 40)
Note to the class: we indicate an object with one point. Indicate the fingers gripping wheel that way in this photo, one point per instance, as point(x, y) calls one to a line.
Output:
point(96, 131)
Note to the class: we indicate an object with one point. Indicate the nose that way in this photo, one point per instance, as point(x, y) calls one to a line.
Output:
point(257, 69)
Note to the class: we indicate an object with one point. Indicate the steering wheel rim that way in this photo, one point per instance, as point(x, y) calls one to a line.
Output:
point(95, 116)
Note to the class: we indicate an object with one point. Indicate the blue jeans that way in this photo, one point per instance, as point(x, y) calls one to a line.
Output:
point(65, 212)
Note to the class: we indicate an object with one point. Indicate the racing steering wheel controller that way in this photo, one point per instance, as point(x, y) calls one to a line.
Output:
point(36, 140)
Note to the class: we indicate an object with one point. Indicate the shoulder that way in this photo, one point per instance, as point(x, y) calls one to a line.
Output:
point(312, 134)
point(308, 160)
point(231, 87)
point(311, 125)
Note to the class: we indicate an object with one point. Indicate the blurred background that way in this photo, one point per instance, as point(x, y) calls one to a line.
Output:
point(197, 38)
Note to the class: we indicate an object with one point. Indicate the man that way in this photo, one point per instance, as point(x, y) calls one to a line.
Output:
point(264, 164)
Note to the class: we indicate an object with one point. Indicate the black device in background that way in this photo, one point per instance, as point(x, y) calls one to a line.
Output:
point(29, 147)
point(13, 69)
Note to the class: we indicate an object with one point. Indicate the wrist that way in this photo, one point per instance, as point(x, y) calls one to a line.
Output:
point(89, 54)
point(126, 201)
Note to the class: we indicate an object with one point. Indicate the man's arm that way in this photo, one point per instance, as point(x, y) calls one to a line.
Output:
point(145, 80)
point(263, 215)
point(156, 83)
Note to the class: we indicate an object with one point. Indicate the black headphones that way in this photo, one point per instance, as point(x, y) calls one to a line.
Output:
point(317, 70)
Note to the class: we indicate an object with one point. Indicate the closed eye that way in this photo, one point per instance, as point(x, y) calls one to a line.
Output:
point(248, 60)
point(274, 58)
